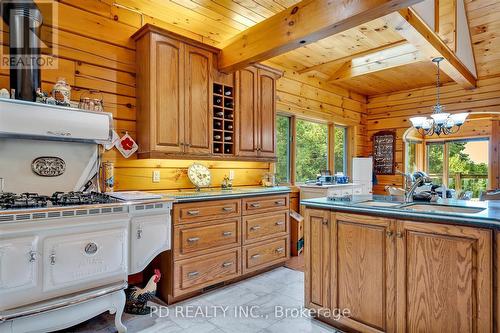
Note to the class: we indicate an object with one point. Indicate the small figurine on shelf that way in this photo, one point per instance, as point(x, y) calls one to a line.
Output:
point(227, 184)
point(62, 92)
point(137, 298)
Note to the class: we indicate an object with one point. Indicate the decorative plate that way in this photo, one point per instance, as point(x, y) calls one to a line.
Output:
point(199, 175)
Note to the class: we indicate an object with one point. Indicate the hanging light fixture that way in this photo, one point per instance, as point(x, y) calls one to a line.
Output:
point(440, 122)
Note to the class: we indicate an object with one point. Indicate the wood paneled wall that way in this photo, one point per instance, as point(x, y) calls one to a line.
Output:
point(392, 112)
point(95, 52)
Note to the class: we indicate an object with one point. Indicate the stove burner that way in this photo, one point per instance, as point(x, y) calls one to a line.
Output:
point(23, 200)
point(34, 200)
point(80, 198)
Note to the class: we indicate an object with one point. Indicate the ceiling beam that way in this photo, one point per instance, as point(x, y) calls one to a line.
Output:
point(411, 27)
point(394, 57)
point(304, 23)
point(335, 62)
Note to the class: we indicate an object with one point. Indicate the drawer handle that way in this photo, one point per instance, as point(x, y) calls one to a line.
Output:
point(227, 233)
point(193, 212)
point(280, 223)
point(255, 227)
point(193, 239)
point(255, 205)
point(52, 258)
point(227, 209)
point(280, 202)
point(280, 250)
point(139, 233)
point(255, 256)
point(227, 264)
point(192, 274)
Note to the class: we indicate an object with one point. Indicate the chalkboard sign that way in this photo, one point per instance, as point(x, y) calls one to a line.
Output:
point(384, 147)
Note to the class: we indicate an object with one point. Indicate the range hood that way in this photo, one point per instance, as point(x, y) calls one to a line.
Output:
point(22, 119)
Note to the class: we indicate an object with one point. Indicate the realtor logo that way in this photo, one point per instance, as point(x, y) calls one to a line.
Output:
point(29, 45)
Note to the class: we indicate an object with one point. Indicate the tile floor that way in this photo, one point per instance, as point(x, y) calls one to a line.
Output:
point(264, 299)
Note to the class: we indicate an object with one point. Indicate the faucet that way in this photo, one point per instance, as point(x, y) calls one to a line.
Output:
point(409, 192)
point(411, 183)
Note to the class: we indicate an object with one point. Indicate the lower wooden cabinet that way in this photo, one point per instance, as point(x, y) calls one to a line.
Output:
point(216, 241)
point(399, 276)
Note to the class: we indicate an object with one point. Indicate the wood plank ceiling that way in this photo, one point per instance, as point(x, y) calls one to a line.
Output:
point(218, 20)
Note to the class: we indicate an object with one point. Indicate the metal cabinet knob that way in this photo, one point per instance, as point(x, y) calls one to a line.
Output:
point(227, 233)
point(280, 250)
point(227, 264)
point(193, 274)
point(255, 227)
point(255, 256)
point(193, 212)
point(193, 239)
point(227, 209)
point(139, 233)
point(325, 222)
point(52, 258)
point(389, 233)
point(399, 234)
point(32, 256)
point(255, 205)
point(280, 202)
point(280, 223)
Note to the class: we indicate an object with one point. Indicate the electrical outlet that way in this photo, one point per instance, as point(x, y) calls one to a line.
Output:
point(156, 176)
point(231, 174)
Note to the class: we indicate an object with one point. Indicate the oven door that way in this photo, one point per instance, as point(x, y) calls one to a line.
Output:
point(83, 260)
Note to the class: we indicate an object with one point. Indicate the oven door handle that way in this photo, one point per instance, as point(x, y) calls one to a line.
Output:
point(52, 259)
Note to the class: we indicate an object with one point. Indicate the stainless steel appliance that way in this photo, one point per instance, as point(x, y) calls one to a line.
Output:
point(65, 254)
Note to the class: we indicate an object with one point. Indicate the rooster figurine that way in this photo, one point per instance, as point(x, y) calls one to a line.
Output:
point(137, 298)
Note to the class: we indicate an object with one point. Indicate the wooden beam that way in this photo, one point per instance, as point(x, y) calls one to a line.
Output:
point(396, 56)
point(407, 23)
point(338, 61)
point(304, 23)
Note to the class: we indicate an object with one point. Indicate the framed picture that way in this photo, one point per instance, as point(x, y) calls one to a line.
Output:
point(384, 148)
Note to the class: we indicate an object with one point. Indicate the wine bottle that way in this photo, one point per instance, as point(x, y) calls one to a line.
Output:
point(219, 114)
point(228, 104)
point(228, 92)
point(229, 127)
point(217, 124)
point(216, 149)
point(218, 101)
point(217, 137)
point(228, 150)
point(229, 115)
point(228, 138)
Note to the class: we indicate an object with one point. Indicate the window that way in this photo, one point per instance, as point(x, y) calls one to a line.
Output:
point(468, 166)
point(435, 162)
point(311, 150)
point(461, 165)
point(283, 149)
point(340, 149)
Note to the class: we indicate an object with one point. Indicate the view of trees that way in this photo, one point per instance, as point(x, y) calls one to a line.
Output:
point(339, 151)
point(312, 149)
point(283, 147)
point(473, 175)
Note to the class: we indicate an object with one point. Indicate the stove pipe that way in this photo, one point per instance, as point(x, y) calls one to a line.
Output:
point(24, 20)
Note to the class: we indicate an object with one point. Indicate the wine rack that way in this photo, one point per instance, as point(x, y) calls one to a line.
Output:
point(223, 119)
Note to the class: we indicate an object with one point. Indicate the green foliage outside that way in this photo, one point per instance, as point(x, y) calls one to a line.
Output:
point(459, 162)
point(312, 149)
point(339, 151)
point(283, 153)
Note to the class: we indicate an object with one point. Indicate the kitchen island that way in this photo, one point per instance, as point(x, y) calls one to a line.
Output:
point(403, 267)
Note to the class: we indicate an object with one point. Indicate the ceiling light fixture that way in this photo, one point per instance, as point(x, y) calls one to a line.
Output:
point(440, 122)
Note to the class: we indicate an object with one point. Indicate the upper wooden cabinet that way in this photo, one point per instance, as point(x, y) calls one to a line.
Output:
point(256, 111)
point(174, 89)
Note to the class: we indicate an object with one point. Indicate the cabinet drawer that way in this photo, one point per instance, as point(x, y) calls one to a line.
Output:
point(264, 226)
point(265, 204)
point(259, 256)
point(196, 273)
point(206, 210)
point(206, 237)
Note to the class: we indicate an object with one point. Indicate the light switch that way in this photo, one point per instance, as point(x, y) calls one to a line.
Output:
point(156, 176)
point(231, 174)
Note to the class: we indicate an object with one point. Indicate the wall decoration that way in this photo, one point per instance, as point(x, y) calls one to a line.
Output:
point(384, 148)
point(48, 166)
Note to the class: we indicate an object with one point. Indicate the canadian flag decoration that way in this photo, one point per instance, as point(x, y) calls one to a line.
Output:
point(126, 145)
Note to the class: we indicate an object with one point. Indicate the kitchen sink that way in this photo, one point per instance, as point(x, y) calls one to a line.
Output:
point(440, 208)
point(379, 203)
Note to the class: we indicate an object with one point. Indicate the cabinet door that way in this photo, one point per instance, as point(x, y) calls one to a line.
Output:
point(266, 114)
point(363, 271)
point(317, 240)
point(167, 94)
point(247, 122)
point(149, 236)
point(18, 264)
point(444, 278)
point(198, 90)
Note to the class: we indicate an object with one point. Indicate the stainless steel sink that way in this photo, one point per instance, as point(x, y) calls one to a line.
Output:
point(373, 203)
point(440, 208)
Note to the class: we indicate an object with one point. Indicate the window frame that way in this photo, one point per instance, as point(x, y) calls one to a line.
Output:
point(348, 152)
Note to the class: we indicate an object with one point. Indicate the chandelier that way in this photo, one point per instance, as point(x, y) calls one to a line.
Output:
point(440, 122)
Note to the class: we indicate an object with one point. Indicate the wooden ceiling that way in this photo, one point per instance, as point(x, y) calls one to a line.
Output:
point(219, 20)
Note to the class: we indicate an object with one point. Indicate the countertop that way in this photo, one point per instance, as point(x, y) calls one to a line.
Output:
point(216, 194)
point(326, 186)
point(489, 217)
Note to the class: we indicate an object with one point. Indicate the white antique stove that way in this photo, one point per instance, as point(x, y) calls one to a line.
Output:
point(65, 258)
